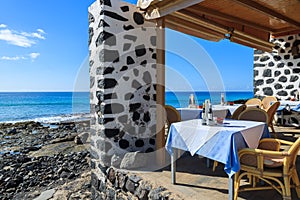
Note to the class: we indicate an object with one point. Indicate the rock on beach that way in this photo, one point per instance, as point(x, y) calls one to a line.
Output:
point(36, 159)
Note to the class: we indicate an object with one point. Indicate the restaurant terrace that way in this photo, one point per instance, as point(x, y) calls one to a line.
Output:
point(127, 88)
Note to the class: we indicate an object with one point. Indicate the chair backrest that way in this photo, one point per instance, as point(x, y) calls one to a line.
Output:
point(254, 114)
point(253, 102)
point(293, 152)
point(238, 111)
point(172, 115)
point(267, 101)
point(272, 110)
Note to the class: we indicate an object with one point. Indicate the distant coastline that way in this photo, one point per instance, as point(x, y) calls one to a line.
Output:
point(53, 107)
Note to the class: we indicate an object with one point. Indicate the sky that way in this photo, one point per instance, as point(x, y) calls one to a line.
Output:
point(44, 47)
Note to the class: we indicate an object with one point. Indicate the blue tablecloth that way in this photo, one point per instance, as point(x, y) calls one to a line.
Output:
point(293, 105)
point(217, 143)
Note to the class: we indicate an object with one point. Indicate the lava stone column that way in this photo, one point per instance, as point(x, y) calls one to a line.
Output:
point(123, 88)
point(278, 73)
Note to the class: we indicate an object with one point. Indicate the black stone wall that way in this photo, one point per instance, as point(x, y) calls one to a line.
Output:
point(278, 73)
point(123, 93)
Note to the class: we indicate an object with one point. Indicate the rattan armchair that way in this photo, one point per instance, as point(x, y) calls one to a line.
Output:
point(253, 102)
point(238, 111)
point(251, 114)
point(276, 168)
point(254, 114)
point(172, 115)
point(267, 101)
point(271, 114)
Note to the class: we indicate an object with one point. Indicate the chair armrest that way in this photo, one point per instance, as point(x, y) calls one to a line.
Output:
point(262, 152)
point(258, 157)
point(272, 144)
point(285, 142)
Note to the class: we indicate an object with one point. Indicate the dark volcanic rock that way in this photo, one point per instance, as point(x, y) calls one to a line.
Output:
point(23, 173)
point(23, 176)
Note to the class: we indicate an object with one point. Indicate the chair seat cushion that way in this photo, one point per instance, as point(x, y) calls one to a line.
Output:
point(270, 162)
point(273, 162)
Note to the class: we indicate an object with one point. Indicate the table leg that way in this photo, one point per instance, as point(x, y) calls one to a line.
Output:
point(207, 162)
point(173, 166)
point(231, 187)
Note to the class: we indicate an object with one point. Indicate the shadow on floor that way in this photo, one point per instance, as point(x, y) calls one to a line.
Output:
point(194, 176)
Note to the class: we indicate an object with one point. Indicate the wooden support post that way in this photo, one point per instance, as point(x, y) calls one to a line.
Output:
point(160, 90)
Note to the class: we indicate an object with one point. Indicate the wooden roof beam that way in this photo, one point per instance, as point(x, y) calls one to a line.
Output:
point(193, 32)
point(267, 11)
point(194, 28)
point(175, 5)
point(191, 17)
point(194, 18)
point(251, 38)
point(253, 44)
point(284, 32)
point(229, 18)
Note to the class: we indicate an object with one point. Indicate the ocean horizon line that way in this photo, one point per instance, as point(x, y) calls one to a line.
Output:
point(37, 91)
point(209, 91)
point(4, 91)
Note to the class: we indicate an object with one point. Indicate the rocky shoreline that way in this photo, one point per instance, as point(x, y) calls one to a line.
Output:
point(52, 162)
point(44, 161)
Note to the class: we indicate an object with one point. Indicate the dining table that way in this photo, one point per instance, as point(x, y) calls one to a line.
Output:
point(219, 142)
point(221, 111)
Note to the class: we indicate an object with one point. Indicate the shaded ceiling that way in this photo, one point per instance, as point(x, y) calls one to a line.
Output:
point(247, 22)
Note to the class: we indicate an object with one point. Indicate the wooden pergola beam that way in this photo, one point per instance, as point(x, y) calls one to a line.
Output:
point(165, 9)
point(197, 19)
point(285, 31)
point(192, 32)
point(267, 11)
point(190, 20)
point(180, 19)
point(229, 18)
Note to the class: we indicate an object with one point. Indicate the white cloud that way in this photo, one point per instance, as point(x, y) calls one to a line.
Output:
point(33, 35)
point(15, 39)
point(21, 39)
point(33, 56)
point(13, 58)
point(41, 31)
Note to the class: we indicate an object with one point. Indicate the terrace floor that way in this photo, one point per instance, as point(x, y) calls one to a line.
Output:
point(197, 181)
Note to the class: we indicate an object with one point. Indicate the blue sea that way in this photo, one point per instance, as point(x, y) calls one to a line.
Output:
point(181, 99)
point(49, 107)
point(44, 107)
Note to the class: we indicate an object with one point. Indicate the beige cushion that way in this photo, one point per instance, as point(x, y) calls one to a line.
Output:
point(273, 162)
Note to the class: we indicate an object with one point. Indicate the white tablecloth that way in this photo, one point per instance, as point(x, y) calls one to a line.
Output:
point(195, 113)
point(220, 143)
point(230, 109)
point(294, 105)
point(291, 103)
point(189, 113)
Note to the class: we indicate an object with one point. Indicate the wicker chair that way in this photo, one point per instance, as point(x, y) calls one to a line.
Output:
point(254, 114)
point(271, 114)
point(267, 101)
point(276, 168)
point(172, 115)
point(238, 111)
point(253, 102)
